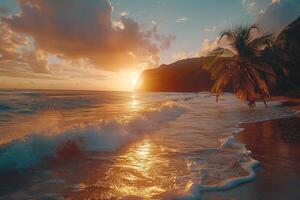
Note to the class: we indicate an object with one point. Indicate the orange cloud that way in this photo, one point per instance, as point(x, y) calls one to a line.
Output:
point(15, 52)
point(77, 29)
point(207, 46)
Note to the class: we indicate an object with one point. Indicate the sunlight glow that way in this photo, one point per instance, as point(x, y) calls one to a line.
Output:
point(134, 103)
point(143, 150)
point(141, 164)
point(135, 79)
point(126, 80)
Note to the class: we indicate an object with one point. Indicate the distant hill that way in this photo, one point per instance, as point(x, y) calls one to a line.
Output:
point(181, 76)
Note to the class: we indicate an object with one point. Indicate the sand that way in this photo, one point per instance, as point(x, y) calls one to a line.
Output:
point(276, 145)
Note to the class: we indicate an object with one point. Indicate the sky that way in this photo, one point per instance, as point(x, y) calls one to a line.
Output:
point(105, 44)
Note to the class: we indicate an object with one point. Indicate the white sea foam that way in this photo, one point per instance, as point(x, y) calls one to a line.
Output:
point(220, 160)
point(241, 155)
point(106, 135)
point(196, 189)
point(231, 142)
point(198, 134)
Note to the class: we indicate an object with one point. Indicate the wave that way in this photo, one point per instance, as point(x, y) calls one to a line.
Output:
point(196, 189)
point(249, 166)
point(231, 163)
point(240, 155)
point(105, 135)
point(5, 108)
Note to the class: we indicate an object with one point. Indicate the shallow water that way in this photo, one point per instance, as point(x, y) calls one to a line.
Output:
point(118, 145)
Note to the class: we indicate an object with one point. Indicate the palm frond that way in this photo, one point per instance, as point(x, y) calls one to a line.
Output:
point(242, 64)
point(229, 34)
point(221, 52)
point(266, 40)
point(215, 57)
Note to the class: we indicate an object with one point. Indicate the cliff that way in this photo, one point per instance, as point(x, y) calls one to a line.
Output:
point(181, 76)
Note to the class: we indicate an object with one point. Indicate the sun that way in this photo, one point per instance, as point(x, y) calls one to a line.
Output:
point(126, 80)
point(135, 79)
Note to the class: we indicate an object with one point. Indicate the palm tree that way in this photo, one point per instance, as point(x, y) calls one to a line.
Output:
point(240, 64)
point(278, 60)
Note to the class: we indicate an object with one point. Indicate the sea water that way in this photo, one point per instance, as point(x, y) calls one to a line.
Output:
point(123, 145)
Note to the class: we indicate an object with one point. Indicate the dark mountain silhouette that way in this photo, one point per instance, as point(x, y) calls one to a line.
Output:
point(181, 76)
point(288, 41)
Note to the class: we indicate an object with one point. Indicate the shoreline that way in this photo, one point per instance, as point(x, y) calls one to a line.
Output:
point(276, 145)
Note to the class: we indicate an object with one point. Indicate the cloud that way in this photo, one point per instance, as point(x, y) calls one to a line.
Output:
point(15, 51)
point(163, 40)
point(10, 41)
point(222, 25)
point(181, 19)
point(210, 29)
point(81, 68)
point(118, 25)
point(275, 1)
point(37, 60)
point(207, 46)
point(180, 55)
point(153, 22)
point(250, 5)
point(76, 29)
point(262, 11)
point(278, 15)
point(124, 13)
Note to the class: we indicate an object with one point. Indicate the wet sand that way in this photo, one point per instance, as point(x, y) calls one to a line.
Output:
point(276, 145)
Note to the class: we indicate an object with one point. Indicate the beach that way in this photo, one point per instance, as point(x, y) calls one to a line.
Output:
point(276, 145)
point(111, 145)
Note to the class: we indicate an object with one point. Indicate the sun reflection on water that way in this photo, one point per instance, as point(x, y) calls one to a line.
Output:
point(138, 177)
point(143, 150)
point(147, 169)
point(134, 103)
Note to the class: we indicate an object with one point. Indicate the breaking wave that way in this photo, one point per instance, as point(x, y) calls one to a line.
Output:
point(105, 135)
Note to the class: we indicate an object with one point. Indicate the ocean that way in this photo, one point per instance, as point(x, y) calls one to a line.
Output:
point(123, 145)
